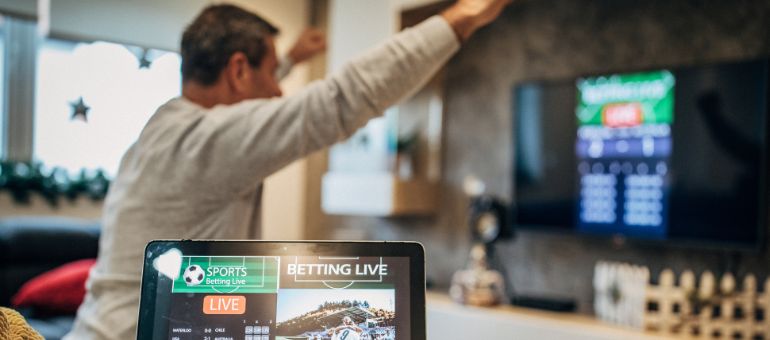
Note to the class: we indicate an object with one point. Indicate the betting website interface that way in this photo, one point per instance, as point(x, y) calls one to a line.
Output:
point(282, 297)
point(623, 152)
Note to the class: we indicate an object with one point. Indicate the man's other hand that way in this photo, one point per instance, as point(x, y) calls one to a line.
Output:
point(311, 42)
point(466, 16)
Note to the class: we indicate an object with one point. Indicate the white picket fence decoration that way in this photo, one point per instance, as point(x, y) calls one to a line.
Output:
point(685, 309)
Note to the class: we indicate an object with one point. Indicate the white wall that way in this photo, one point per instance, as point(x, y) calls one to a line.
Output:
point(349, 36)
point(355, 25)
point(283, 209)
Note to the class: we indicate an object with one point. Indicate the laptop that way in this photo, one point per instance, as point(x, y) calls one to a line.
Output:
point(262, 290)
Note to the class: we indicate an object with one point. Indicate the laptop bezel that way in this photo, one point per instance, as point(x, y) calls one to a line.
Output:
point(413, 250)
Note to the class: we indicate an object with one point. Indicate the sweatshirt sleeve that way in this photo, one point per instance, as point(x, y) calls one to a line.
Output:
point(237, 146)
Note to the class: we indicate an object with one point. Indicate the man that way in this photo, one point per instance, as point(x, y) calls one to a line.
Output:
point(347, 325)
point(196, 170)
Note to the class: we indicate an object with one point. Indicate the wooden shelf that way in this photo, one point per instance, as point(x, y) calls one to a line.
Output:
point(448, 320)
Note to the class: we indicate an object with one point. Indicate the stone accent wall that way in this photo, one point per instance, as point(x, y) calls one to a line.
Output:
point(556, 39)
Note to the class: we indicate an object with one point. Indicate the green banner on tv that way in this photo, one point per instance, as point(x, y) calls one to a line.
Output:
point(227, 274)
point(625, 100)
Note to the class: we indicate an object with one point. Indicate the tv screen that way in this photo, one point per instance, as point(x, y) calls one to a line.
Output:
point(669, 154)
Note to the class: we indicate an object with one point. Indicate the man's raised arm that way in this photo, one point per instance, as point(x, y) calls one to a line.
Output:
point(258, 137)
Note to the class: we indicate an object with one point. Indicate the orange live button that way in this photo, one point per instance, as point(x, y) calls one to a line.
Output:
point(224, 304)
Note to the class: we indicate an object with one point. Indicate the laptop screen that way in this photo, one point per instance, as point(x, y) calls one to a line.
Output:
point(211, 295)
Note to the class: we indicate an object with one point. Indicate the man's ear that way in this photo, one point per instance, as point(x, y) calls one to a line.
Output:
point(237, 72)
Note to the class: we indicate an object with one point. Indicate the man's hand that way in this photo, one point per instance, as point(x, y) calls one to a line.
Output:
point(311, 42)
point(466, 16)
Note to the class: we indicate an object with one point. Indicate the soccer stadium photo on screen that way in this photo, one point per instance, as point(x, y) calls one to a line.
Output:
point(336, 314)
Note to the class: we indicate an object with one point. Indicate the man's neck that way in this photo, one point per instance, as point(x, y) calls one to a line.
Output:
point(206, 96)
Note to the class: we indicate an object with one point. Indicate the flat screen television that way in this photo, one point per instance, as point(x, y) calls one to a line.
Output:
point(673, 154)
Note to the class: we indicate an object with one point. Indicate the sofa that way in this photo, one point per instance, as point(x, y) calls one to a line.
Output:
point(30, 246)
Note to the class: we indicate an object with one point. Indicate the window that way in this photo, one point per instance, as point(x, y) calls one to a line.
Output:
point(119, 94)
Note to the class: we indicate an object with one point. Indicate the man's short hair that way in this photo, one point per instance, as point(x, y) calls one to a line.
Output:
point(215, 35)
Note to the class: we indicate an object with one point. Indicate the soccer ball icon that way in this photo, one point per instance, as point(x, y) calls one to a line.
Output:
point(193, 275)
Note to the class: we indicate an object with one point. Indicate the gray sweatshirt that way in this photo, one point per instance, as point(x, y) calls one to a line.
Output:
point(196, 173)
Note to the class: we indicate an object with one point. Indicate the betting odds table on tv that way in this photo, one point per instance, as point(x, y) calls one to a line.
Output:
point(623, 148)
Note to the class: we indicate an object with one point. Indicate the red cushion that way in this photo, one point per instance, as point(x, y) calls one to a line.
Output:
point(61, 289)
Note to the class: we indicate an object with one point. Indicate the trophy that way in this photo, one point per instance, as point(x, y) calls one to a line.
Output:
point(479, 284)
